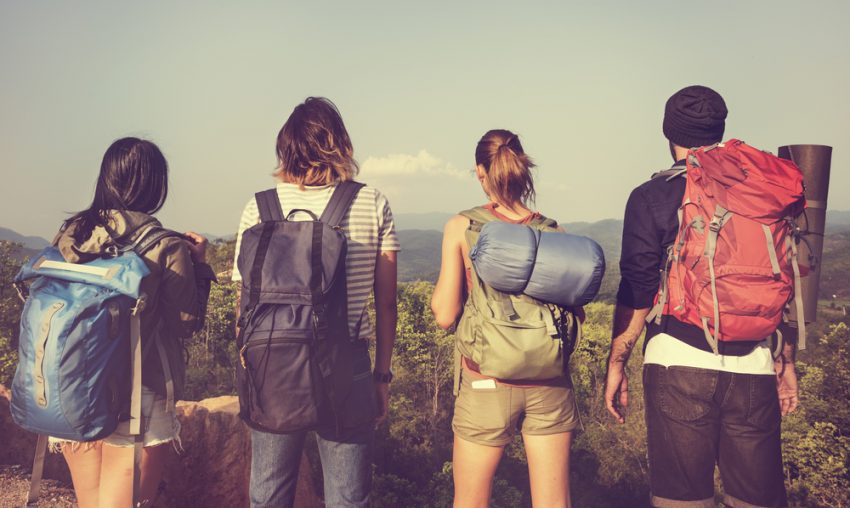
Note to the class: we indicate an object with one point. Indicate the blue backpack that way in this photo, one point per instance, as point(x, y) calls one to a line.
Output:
point(79, 346)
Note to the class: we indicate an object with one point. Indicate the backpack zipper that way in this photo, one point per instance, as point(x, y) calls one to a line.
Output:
point(279, 340)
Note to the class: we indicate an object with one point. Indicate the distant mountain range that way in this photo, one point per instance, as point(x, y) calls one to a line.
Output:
point(421, 239)
point(837, 220)
point(426, 221)
point(31, 242)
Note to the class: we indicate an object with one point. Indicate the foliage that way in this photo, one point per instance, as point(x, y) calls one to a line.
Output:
point(212, 352)
point(609, 460)
point(609, 469)
point(10, 310)
point(417, 439)
point(815, 440)
point(220, 255)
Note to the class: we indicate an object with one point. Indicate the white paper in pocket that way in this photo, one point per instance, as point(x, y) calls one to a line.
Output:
point(484, 384)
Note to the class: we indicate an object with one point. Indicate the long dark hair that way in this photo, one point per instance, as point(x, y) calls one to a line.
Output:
point(133, 177)
point(313, 147)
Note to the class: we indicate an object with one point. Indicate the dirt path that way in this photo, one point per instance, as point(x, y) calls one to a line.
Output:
point(14, 484)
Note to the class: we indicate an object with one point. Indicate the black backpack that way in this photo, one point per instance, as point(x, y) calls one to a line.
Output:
point(295, 351)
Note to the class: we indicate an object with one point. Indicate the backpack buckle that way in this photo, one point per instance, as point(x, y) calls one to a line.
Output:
point(693, 161)
point(23, 292)
point(139, 307)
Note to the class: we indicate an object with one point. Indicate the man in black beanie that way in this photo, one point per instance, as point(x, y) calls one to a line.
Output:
point(701, 408)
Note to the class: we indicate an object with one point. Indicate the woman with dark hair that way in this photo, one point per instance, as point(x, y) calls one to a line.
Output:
point(489, 412)
point(131, 187)
point(315, 155)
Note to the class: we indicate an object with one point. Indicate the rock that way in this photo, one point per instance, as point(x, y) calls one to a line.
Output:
point(212, 471)
point(18, 445)
point(214, 468)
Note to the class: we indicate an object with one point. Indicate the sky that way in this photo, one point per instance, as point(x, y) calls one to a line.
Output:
point(582, 83)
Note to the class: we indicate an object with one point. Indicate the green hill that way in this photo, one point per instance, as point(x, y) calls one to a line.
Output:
point(835, 271)
point(419, 258)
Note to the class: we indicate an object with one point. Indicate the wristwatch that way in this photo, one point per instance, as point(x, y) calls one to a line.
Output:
point(382, 377)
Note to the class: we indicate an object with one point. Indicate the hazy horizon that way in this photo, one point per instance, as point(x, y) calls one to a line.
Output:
point(583, 85)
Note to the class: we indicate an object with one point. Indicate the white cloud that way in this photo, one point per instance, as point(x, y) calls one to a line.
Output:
point(421, 164)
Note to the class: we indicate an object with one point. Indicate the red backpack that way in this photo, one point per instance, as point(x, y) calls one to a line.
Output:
point(733, 265)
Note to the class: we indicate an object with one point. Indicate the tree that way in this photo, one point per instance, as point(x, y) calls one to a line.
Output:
point(10, 310)
point(815, 442)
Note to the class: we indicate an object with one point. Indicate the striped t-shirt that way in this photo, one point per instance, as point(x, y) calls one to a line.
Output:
point(368, 226)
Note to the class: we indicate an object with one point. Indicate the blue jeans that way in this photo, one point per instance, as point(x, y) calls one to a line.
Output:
point(696, 418)
point(346, 457)
point(346, 467)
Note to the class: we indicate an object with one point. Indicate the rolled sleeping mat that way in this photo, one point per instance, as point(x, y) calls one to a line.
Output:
point(550, 266)
point(568, 270)
point(504, 255)
point(814, 162)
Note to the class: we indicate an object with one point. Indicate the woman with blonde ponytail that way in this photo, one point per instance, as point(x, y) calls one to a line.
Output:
point(488, 411)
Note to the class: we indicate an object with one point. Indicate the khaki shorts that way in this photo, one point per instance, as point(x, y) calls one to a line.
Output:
point(491, 413)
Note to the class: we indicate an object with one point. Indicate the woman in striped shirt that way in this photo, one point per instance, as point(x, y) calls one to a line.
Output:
point(315, 154)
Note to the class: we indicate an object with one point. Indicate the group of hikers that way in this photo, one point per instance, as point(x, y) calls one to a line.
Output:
point(310, 252)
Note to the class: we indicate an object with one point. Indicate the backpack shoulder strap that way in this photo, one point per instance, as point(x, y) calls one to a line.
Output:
point(669, 174)
point(543, 222)
point(478, 216)
point(680, 169)
point(341, 200)
point(268, 204)
point(150, 237)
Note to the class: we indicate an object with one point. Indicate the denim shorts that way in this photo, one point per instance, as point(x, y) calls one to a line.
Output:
point(159, 426)
point(696, 418)
point(490, 413)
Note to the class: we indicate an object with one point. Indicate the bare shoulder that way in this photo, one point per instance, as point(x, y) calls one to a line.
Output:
point(456, 226)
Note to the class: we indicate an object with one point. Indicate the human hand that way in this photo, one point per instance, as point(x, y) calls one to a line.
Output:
point(197, 246)
point(617, 391)
point(382, 396)
point(786, 387)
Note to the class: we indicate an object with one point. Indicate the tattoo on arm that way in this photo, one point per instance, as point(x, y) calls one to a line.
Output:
point(628, 325)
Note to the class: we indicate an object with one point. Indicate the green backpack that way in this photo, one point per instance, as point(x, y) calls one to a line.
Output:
point(513, 336)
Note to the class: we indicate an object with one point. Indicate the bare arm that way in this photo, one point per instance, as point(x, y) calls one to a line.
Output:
point(627, 328)
point(386, 311)
point(447, 301)
point(386, 316)
point(786, 374)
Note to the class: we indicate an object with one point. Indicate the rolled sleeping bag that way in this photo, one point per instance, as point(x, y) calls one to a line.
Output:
point(550, 266)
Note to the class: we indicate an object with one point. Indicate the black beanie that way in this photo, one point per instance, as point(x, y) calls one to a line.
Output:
point(695, 116)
